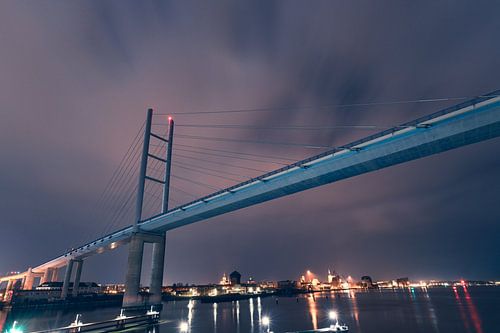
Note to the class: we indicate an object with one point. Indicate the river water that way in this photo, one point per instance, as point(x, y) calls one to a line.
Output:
point(453, 310)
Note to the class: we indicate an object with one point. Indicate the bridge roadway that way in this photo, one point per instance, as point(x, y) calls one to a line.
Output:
point(466, 123)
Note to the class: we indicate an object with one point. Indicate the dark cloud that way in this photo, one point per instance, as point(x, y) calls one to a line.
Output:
point(77, 77)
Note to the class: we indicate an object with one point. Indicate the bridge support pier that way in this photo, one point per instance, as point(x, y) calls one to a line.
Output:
point(54, 275)
point(28, 280)
point(46, 276)
point(67, 279)
point(49, 275)
point(157, 267)
point(132, 298)
point(78, 275)
point(10, 284)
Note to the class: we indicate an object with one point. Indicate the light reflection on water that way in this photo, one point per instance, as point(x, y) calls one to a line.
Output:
point(190, 311)
point(432, 311)
point(354, 307)
point(238, 314)
point(259, 309)
point(250, 307)
point(416, 308)
point(476, 319)
point(459, 310)
point(311, 302)
point(215, 316)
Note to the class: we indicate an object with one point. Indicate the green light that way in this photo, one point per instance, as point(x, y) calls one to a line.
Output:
point(15, 329)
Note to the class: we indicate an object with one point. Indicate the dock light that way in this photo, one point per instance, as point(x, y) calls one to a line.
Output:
point(266, 322)
point(15, 328)
point(122, 315)
point(183, 327)
point(334, 317)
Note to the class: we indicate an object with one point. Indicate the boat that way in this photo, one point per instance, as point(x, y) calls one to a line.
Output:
point(334, 327)
point(338, 328)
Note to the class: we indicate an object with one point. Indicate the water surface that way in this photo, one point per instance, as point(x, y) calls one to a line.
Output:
point(440, 310)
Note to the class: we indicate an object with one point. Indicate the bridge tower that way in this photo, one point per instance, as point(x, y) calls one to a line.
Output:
point(133, 298)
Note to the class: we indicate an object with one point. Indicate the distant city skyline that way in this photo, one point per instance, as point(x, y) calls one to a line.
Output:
point(323, 277)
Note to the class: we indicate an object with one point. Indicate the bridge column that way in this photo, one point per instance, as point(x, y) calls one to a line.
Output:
point(10, 284)
point(55, 274)
point(78, 274)
point(67, 278)
point(131, 298)
point(158, 256)
point(157, 266)
point(28, 280)
point(136, 246)
point(47, 276)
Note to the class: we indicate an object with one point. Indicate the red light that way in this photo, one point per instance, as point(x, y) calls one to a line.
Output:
point(169, 119)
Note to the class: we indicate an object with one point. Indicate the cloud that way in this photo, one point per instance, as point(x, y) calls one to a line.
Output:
point(78, 76)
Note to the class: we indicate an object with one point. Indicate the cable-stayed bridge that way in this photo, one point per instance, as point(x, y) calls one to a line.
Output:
point(469, 122)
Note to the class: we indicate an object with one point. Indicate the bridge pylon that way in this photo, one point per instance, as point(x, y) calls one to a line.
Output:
point(133, 298)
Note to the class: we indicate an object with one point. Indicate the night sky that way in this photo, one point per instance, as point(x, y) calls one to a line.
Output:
point(77, 76)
